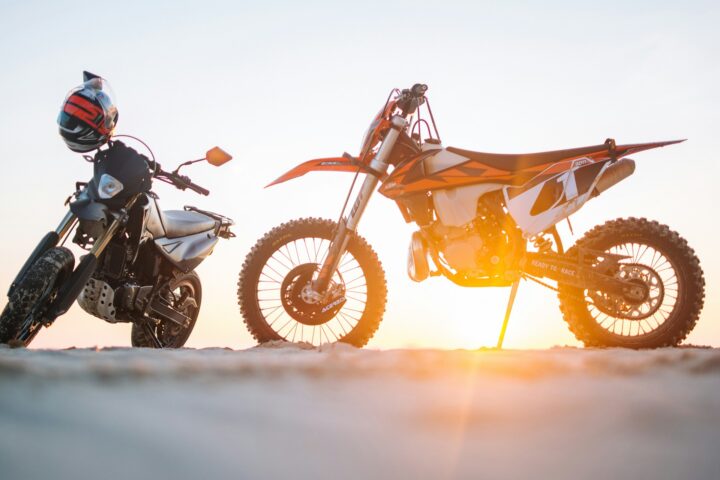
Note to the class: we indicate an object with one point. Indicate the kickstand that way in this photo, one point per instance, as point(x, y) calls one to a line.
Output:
point(511, 300)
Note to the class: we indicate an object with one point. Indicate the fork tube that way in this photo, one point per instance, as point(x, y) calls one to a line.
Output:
point(65, 225)
point(112, 229)
point(361, 202)
point(349, 224)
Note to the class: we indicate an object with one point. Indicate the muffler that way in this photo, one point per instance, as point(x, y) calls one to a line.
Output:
point(615, 173)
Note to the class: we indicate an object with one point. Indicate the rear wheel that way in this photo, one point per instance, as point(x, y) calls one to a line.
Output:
point(183, 295)
point(22, 317)
point(659, 260)
point(276, 301)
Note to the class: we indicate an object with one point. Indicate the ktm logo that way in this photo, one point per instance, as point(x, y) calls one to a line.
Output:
point(582, 162)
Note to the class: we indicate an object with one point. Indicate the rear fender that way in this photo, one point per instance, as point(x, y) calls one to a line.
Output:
point(334, 164)
point(630, 149)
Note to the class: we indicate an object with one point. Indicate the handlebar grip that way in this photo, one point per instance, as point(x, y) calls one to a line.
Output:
point(411, 99)
point(182, 182)
point(199, 189)
point(187, 183)
point(419, 89)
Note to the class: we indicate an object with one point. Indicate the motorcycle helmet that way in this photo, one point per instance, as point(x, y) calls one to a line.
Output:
point(88, 115)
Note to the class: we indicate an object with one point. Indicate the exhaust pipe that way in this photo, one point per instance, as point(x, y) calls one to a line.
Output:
point(615, 173)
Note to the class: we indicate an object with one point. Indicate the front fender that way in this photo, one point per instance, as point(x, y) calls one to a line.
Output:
point(334, 164)
point(89, 210)
point(86, 206)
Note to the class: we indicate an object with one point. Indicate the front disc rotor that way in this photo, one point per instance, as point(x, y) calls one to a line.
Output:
point(296, 301)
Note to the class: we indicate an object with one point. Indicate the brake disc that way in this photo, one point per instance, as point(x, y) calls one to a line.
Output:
point(630, 307)
point(299, 305)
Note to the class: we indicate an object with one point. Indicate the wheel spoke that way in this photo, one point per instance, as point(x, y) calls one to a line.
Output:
point(280, 251)
point(297, 253)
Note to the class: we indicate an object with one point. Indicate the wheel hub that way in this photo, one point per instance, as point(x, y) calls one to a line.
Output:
point(305, 305)
point(640, 301)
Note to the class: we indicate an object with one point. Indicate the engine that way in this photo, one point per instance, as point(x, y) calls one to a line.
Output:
point(475, 249)
point(118, 289)
point(462, 249)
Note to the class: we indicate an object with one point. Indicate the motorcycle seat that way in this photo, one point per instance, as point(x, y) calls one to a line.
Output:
point(521, 161)
point(181, 223)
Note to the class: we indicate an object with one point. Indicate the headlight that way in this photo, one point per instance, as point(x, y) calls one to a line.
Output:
point(109, 186)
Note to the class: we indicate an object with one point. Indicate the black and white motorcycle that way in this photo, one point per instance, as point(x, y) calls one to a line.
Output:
point(140, 262)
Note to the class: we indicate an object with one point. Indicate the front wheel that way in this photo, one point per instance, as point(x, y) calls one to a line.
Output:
point(22, 317)
point(274, 294)
point(657, 258)
point(184, 294)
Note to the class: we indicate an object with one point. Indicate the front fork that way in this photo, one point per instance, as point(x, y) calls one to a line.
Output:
point(71, 289)
point(348, 225)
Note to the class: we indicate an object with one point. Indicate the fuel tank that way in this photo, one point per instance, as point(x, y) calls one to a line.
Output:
point(455, 206)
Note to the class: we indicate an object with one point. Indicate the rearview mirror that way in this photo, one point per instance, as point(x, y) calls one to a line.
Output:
point(217, 156)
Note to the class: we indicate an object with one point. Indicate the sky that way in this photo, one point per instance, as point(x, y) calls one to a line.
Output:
point(276, 83)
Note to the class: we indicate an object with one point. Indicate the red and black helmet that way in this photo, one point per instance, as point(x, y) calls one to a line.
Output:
point(89, 115)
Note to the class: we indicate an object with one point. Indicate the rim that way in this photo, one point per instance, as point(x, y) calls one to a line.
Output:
point(646, 265)
point(303, 251)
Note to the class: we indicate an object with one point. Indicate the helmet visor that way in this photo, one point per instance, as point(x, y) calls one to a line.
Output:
point(100, 90)
point(106, 97)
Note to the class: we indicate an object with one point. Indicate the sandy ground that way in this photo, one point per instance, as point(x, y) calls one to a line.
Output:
point(287, 412)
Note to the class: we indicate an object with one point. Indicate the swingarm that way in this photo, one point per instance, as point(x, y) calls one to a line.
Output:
point(591, 270)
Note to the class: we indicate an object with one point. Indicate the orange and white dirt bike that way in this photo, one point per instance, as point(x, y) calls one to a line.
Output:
point(484, 220)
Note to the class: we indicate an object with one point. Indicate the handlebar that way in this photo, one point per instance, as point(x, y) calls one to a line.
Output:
point(410, 99)
point(180, 181)
point(419, 89)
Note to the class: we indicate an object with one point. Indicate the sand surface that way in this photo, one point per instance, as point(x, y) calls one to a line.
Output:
point(283, 411)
